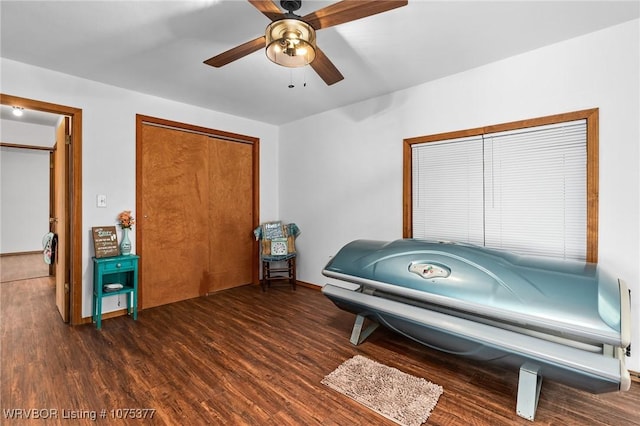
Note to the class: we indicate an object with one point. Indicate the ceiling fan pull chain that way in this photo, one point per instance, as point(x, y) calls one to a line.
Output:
point(291, 85)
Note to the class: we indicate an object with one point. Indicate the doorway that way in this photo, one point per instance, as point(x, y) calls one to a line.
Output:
point(68, 166)
point(26, 150)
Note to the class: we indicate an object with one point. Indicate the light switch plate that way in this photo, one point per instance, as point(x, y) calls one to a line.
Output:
point(101, 200)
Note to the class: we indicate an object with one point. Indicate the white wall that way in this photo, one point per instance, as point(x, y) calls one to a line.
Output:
point(109, 138)
point(24, 191)
point(343, 180)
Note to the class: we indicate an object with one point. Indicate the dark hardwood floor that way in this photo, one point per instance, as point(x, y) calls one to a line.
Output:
point(242, 356)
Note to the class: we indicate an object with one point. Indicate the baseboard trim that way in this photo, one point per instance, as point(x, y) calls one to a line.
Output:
point(20, 253)
point(635, 376)
point(106, 315)
point(308, 285)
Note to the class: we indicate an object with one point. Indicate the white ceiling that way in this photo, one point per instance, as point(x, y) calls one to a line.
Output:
point(29, 116)
point(159, 47)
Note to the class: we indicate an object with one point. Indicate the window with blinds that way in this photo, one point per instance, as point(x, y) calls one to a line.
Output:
point(522, 189)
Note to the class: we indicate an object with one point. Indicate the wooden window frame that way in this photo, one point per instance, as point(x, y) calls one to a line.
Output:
point(592, 120)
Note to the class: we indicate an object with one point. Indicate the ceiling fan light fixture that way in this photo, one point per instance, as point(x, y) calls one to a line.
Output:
point(291, 43)
point(18, 111)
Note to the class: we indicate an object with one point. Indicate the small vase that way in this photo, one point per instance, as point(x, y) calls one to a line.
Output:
point(125, 245)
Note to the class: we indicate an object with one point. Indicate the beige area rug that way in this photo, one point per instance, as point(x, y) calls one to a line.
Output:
point(401, 397)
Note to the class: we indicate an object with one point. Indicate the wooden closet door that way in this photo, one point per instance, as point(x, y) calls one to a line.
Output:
point(232, 254)
point(197, 214)
point(174, 228)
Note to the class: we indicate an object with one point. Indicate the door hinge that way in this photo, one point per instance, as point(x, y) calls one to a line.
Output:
point(66, 287)
point(67, 139)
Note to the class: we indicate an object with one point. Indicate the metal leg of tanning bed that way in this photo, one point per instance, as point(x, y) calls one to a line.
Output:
point(358, 335)
point(529, 384)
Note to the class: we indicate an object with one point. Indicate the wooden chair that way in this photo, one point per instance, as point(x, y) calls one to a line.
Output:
point(277, 252)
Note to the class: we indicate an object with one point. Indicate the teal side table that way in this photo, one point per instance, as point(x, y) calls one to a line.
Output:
point(111, 270)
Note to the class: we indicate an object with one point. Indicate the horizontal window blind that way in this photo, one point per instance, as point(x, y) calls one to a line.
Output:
point(522, 190)
point(447, 190)
point(535, 190)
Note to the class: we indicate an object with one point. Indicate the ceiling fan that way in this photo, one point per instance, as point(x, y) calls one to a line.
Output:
point(290, 39)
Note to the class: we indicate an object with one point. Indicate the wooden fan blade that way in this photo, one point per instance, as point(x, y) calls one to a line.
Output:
point(237, 52)
point(268, 9)
point(325, 68)
point(349, 10)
